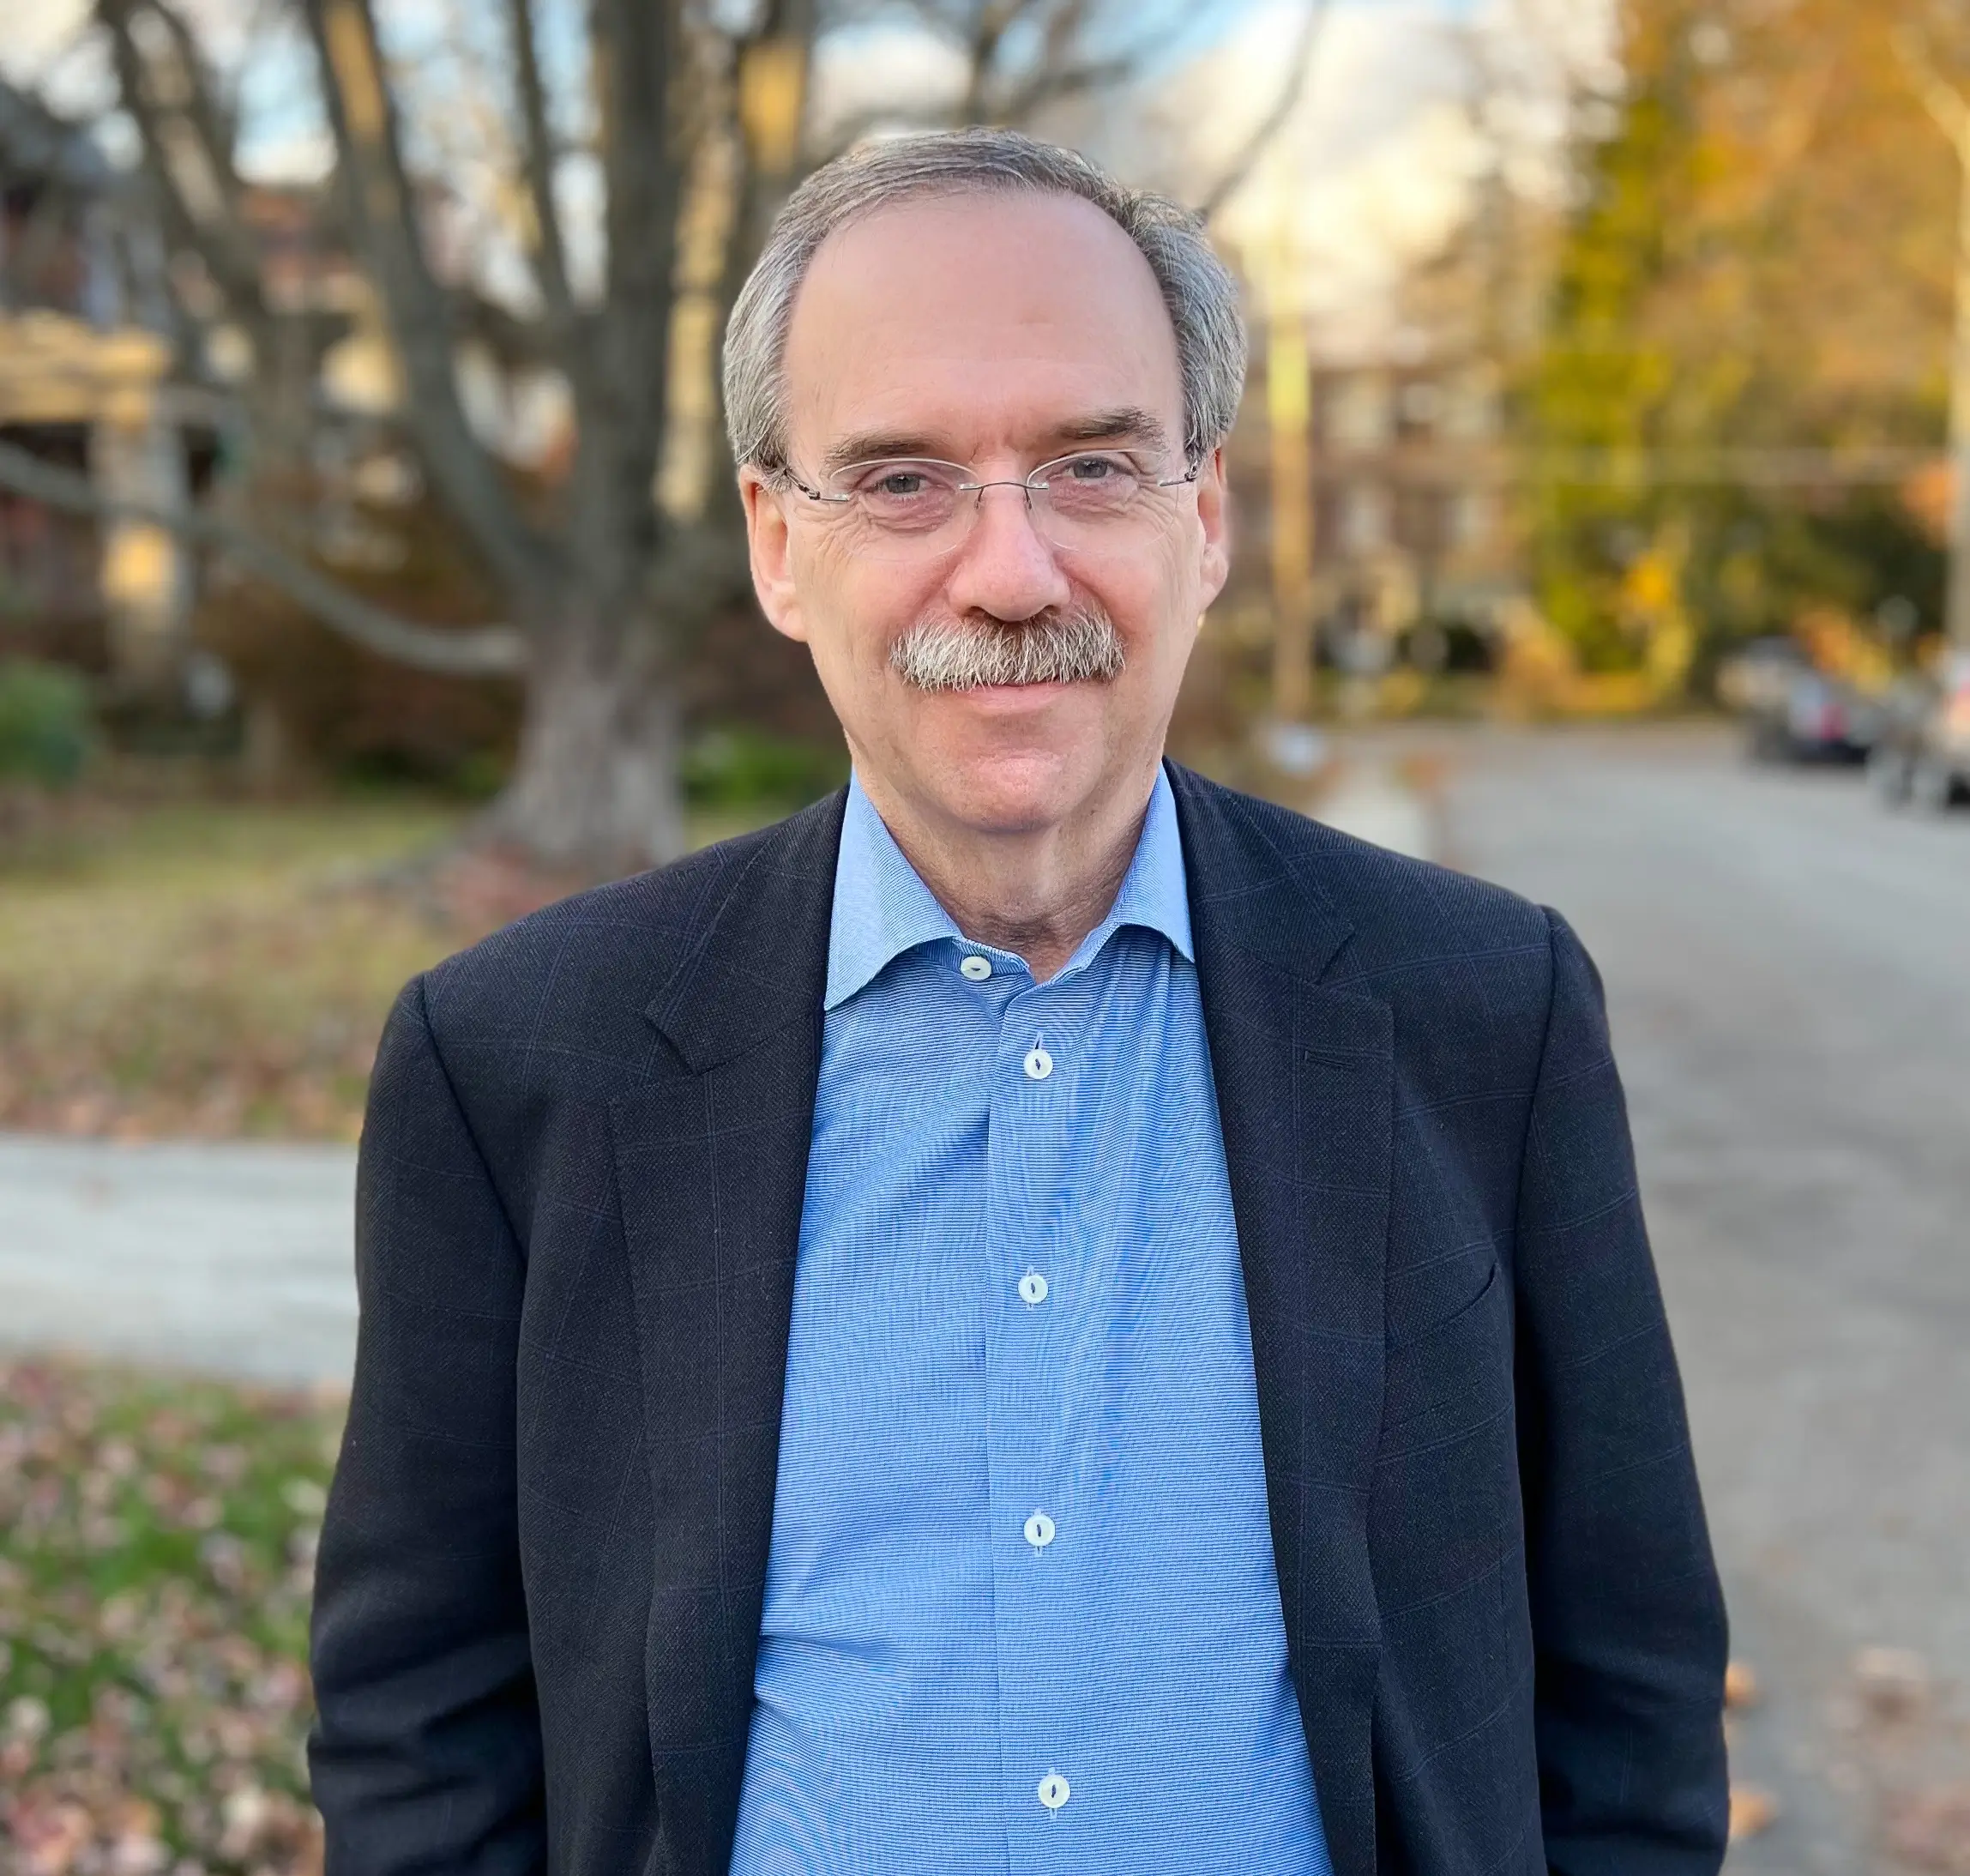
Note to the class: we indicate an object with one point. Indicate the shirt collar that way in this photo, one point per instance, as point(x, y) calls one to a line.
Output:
point(882, 909)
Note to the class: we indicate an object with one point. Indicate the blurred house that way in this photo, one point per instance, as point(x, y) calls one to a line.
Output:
point(1409, 517)
point(1410, 475)
point(83, 365)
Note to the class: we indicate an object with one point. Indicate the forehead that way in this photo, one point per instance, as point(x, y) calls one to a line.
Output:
point(968, 323)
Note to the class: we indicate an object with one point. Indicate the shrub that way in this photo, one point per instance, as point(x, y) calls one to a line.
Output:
point(744, 769)
point(47, 727)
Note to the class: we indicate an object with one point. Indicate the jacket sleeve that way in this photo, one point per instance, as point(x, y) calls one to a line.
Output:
point(426, 1754)
point(1628, 1617)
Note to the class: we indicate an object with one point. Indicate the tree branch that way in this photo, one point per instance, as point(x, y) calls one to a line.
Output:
point(208, 115)
point(990, 20)
point(382, 212)
point(538, 153)
point(637, 44)
point(772, 69)
point(1274, 122)
point(217, 239)
point(485, 651)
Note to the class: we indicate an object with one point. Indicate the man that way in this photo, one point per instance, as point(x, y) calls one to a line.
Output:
point(1041, 1315)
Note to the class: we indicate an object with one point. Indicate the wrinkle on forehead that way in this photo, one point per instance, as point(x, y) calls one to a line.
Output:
point(977, 323)
point(1127, 427)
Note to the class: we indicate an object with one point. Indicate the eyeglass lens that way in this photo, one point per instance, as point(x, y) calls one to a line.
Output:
point(910, 509)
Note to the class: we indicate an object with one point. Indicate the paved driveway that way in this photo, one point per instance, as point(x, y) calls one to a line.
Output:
point(1788, 974)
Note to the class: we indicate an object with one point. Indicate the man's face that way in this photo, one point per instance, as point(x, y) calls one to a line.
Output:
point(999, 333)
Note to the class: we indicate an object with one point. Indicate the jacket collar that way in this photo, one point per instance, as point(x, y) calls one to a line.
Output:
point(760, 957)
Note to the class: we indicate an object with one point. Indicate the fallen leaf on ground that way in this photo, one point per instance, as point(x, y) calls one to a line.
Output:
point(1893, 1681)
point(157, 1540)
point(1751, 1811)
point(1740, 1685)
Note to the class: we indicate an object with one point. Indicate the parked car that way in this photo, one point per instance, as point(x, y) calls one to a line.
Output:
point(1924, 753)
point(1793, 711)
point(1816, 718)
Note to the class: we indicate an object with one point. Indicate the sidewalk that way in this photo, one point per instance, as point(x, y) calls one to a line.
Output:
point(232, 1259)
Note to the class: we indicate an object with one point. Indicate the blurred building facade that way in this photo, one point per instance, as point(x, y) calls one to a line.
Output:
point(1406, 518)
point(1410, 477)
point(83, 365)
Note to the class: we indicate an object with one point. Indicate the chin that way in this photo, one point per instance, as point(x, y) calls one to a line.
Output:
point(1014, 791)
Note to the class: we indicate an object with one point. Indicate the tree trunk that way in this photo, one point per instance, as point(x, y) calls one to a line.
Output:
point(595, 790)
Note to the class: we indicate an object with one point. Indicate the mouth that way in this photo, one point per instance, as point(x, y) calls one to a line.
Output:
point(1013, 700)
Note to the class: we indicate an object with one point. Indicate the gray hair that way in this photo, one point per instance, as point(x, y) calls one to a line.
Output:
point(1198, 289)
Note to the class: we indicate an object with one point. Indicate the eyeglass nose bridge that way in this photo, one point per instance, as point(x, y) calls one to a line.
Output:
point(1032, 489)
point(977, 492)
point(1035, 505)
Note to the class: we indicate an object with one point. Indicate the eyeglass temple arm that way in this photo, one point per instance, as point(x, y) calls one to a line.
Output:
point(815, 495)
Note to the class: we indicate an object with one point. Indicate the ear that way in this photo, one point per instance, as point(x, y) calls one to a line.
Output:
point(769, 546)
point(1214, 513)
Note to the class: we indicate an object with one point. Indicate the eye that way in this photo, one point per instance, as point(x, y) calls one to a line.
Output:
point(899, 481)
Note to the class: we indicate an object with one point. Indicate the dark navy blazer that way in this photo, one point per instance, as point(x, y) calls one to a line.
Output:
point(540, 1580)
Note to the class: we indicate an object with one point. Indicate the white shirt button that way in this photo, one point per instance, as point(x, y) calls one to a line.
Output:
point(1053, 1792)
point(1032, 1287)
point(1039, 1530)
point(976, 967)
point(1038, 1063)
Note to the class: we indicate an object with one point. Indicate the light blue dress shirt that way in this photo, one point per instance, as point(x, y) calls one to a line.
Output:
point(1021, 1607)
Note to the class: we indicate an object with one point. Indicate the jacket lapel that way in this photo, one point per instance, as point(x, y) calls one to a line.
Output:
point(711, 1160)
point(1304, 1080)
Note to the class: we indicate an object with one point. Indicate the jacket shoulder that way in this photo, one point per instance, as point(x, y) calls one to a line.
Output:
point(601, 955)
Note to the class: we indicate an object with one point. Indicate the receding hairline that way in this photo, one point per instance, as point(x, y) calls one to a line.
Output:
point(1097, 422)
point(931, 194)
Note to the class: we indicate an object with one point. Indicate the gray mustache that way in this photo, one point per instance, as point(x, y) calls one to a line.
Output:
point(1050, 648)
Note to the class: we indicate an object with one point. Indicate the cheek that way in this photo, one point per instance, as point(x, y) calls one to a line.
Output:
point(855, 608)
point(1151, 597)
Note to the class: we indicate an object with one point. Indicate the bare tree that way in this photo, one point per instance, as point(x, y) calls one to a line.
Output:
point(690, 123)
point(1298, 73)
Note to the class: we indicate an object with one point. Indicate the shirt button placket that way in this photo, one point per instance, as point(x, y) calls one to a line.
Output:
point(1031, 1604)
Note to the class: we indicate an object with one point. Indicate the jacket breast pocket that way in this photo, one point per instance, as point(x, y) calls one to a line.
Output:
point(1455, 1370)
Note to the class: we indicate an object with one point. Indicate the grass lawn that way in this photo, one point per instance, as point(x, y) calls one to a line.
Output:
point(217, 969)
point(157, 1544)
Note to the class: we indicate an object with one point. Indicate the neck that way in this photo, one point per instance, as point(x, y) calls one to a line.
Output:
point(1036, 893)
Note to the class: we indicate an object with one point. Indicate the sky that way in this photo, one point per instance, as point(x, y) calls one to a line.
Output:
point(1373, 169)
point(1371, 173)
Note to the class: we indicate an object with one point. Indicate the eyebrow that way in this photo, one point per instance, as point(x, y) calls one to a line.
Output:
point(1127, 423)
point(874, 445)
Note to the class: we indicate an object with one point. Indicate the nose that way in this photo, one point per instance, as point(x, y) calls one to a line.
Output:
point(1005, 568)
